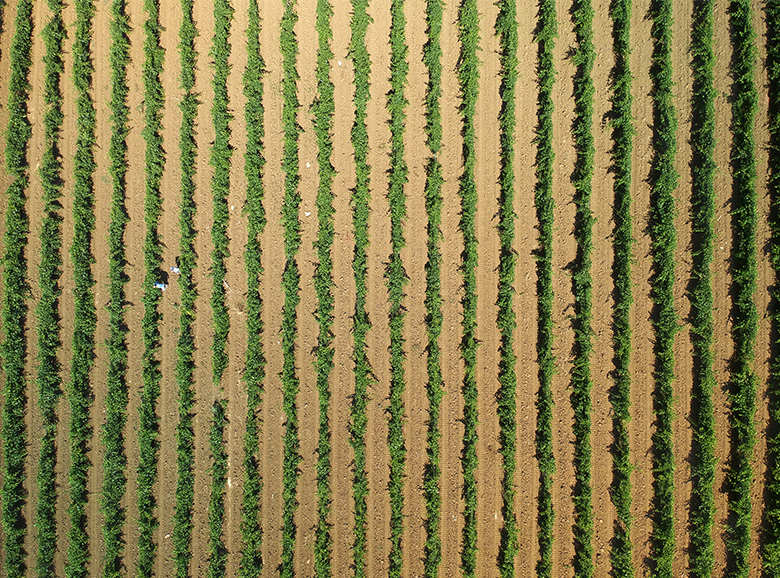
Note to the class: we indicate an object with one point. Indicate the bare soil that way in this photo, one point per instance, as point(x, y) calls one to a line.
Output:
point(602, 256)
point(342, 382)
point(274, 419)
point(378, 339)
point(135, 269)
point(414, 257)
point(35, 108)
point(527, 475)
point(452, 244)
point(720, 269)
point(765, 282)
point(642, 353)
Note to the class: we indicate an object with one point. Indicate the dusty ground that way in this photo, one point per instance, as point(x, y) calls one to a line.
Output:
point(342, 384)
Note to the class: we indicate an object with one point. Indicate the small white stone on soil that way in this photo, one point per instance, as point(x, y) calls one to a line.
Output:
point(307, 213)
point(339, 62)
point(308, 165)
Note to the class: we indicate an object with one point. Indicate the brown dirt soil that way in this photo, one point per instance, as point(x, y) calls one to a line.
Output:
point(720, 272)
point(451, 424)
point(101, 94)
point(134, 242)
point(167, 406)
point(682, 346)
point(342, 379)
point(35, 150)
point(308, 328)
point(602, 256)
point(68, 147)
point(414, 256)
point(642, 353)
point(527, 477)
point(489, 471)
point(378, 339)
point(564, 250)
point(205, 393)
point(273, 417)
point(232, 387)
point(525, 299)
point(765, 281)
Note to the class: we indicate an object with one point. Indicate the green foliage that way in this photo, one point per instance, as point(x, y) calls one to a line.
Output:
point(221, 153)
point(506, 28)
point(85, 317)
point(290, 285)
point(219, 467)
point(2, 16)
point(251, 528)
point(185, 345)
point(432, 54)
point(148, 435)
point(701, 557)
point(582, 285)
point(361, 323)
point(620, 396)
point(15, 292)
point(663, 182)
point(468, 78)
point(770, 552)
point(742, 383)
point(115, 460)
point(323, 109)
point(544, 35)
point(49, 273)
point(396, 279)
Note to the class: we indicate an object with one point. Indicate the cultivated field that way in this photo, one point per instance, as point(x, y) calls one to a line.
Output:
point(402, 288)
